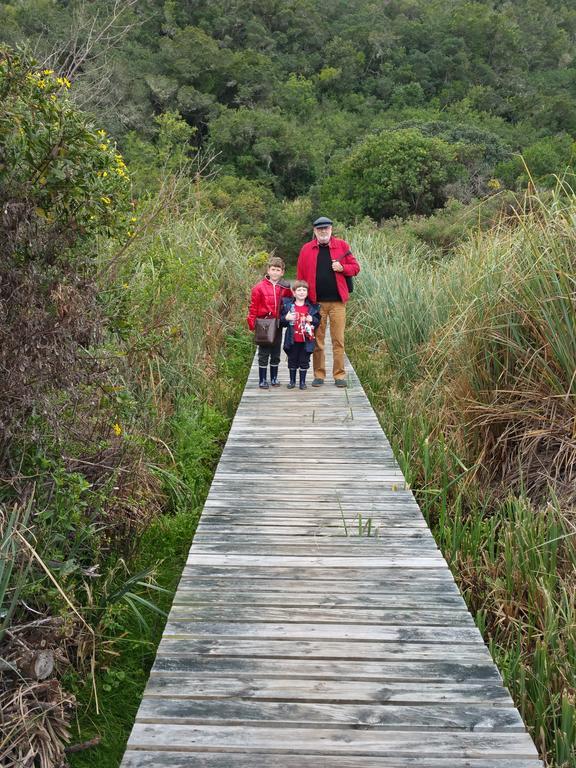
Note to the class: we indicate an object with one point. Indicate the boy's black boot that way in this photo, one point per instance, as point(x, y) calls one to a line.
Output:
point(303, 380)
point(292, 384)
point(274, 376)
point(262, 372)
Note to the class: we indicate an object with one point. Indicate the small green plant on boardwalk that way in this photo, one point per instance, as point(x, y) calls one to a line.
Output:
point(469, 361)
point(361, 526)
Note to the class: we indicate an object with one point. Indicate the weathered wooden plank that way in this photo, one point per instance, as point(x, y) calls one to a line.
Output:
point(333, 741)
point(214, 528)
point(295, 631)
point(331, 582)
point(323, 649)
point(352, 499)
point(364, 547)
point(238, 458)
point(193, 596)
point(364, 534)
point(324, 515)
point(334, 615)
point(135, 758)
point(467, 717)
point(394, 671)
point(182, 686)
point(298, 573)
point(396, 506)
point(312, 561)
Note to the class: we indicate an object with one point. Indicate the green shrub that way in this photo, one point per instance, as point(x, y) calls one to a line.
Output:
point(395, 173)
point(61, 181)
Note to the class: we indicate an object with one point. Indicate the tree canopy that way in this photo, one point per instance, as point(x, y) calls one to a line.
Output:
point(290, 94)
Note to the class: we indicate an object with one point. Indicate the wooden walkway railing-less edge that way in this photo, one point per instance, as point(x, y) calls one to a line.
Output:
point(297, 640)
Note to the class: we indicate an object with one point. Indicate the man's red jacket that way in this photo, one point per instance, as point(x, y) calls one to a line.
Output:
point(266, 300)
point(308, 258)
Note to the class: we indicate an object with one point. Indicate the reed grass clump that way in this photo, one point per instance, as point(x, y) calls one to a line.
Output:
point(470, 360)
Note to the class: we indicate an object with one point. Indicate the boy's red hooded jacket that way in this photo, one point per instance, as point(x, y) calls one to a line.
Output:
point(266, 299)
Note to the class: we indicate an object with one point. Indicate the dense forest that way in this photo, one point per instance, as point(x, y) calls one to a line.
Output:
point(151, 155)
point(372, 110)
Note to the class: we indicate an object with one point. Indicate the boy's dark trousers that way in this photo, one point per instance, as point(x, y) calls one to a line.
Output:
point(271, 353)
point(298, 357)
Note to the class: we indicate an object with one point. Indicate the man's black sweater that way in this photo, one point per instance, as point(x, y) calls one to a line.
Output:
point(326, 288)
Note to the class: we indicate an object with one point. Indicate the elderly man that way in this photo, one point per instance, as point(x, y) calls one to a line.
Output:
point(325, 262)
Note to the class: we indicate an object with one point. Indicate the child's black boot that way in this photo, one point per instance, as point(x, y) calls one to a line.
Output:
point(303, 380)
point(274, 376)
point(262, 372)
point(292, 384)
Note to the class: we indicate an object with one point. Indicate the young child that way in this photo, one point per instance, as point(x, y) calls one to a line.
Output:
point(265, 301)
point(300, 317)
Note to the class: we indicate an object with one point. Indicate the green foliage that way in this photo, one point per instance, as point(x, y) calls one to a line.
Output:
point(248, 203)
point(469, 362)
point(65, 179)
point(264, 145)
point(296, 96)
point(542, 162)
point(456, 222)
point(169, 151)
point(392, 174)
point(275, 103)
point(197, 432)
point(291, 226)
point(14, 564)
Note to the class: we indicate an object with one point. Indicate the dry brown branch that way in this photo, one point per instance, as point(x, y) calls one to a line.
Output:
point(92, 34)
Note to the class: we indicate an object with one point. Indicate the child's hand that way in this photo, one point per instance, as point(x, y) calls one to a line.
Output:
point(308, 318)
point(290, 316)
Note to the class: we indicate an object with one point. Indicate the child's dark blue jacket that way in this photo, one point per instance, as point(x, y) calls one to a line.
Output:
point(313, 311)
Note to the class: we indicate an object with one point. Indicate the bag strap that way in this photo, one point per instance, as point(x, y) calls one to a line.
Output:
point(339, 258)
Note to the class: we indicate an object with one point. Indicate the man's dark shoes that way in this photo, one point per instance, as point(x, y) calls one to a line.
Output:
point(341, 383)
point(317, 382)
point(303, 380)
point(292, 382)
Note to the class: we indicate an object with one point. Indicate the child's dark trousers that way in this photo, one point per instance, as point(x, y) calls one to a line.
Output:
point(271, 352)
point(298, 357)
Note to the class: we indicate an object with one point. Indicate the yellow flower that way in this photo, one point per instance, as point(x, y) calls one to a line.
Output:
point(494, 184)
point(117, 429)
point(101, 133)
point(41, 83)
point(133, 218)
point(47, 71)
point(106, 200)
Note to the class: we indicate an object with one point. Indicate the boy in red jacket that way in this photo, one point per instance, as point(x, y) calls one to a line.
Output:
point(265, 301)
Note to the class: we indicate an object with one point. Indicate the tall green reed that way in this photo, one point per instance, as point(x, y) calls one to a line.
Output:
point(477, 388)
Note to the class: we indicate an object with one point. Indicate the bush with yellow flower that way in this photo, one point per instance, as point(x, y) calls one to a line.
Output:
point(62, 181)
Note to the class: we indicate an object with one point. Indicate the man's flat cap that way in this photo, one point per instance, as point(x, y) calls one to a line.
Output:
point(323, 221)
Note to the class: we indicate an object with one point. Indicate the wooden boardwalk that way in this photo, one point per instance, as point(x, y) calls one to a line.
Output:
point(316, 624)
